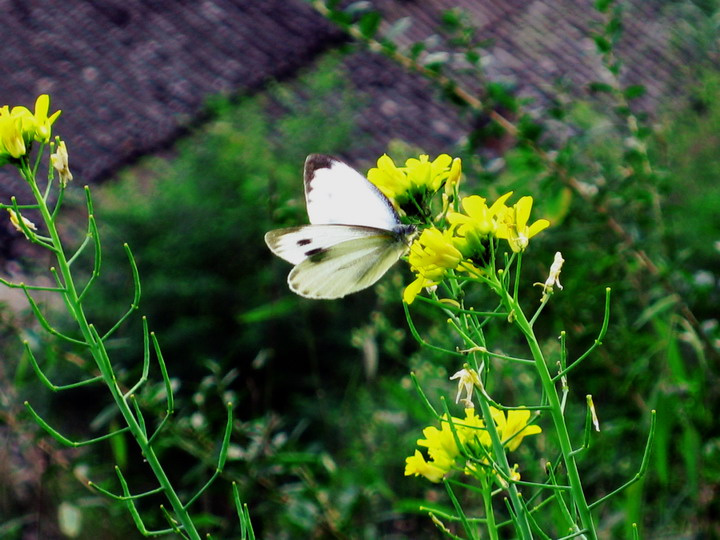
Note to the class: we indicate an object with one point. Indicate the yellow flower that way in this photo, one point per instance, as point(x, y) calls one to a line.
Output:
point(40, 126)
point(388, 178)
point(472, 428)
point(417, 465)
point(441, 445)
point(513, 225)
point(428, 174)
point(433, 253)
point(431, 256)
point(59, 162)
point(417, 179)
point(478, 218)
point(12, 143)
point(43, 128)
point(412, 290)
point(515, 428)
point(19, 127)
point(453, 180)
point(37, 126)
point(477, 223)
point(451, 185)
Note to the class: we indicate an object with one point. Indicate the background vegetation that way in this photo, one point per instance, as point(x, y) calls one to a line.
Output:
point(325, 410)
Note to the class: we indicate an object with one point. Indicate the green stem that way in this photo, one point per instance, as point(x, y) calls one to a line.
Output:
point(556, 413)
point(487, 499)
point(97, 349)
point(500, 457)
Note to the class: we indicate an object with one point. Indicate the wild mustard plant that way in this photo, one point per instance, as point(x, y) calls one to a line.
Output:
point(466, 243)
point(20, 130)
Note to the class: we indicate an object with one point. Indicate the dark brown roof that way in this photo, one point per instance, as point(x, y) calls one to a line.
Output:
point(535, 42)
point(132, 74)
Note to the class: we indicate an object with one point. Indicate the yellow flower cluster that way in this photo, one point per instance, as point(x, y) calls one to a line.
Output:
point(431, 256)
point(417, 180)
point(19, 128)
point(446, 454)
point(463, 245)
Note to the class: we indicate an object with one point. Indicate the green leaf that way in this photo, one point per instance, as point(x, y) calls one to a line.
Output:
point(500, 93)
point(118, 445)
point(622, 110)
point(663, 438)
point(634, 91)
point(529, 129)
point(603, 5)
point(555, 206)
point(603, 45)
point(472, 56)
point(269, 311)
point(451, 19)
point(340, 17)
point(613, 27)
point(644, 132)
point(416, 49)
point(655, 309)
point(691, 445)
point(389, 46)
point(369, 24)
point(600, 87)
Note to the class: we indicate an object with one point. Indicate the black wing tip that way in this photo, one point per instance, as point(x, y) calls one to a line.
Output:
point(317, 161)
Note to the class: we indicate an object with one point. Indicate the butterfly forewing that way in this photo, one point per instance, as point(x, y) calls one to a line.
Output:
point(336, 193)
point(295, 244)
point(347, 267)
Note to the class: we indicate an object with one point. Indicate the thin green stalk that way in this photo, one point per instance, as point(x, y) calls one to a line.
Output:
point(487, 500)
point(556, 413)
point(420, 340)
point(522, 523)
point(458, 508)
point(643, 465)
point(97, 349)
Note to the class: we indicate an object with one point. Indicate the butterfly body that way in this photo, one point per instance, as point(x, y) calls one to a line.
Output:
point(354, 236)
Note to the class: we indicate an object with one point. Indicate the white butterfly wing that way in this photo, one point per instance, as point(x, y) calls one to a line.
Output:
point(295, 244)
point(347, 267)
point(336, 193)
point(355, 234)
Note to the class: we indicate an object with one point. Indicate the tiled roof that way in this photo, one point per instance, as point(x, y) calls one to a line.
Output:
point(535, 42)
point(132, 75)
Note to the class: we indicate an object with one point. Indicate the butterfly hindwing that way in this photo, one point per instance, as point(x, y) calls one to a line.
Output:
point(347, 267)
point(335, 193)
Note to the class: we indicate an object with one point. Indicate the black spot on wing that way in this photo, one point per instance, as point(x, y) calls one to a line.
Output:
point(304, 242)
point(316, 255)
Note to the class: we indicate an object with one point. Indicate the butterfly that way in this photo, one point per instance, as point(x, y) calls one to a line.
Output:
point(354, 236)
